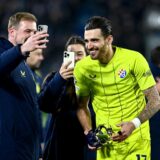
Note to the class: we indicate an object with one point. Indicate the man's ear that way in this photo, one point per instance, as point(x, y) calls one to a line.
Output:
point(109, 39)
point(11, 32)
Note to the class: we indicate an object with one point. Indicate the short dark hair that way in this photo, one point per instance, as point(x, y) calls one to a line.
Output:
point(15, 19)
point(75, 39)
point(98, 22)
point(155, 56)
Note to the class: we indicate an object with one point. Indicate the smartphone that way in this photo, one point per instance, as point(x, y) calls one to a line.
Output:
point(43, 27)
point(69, 56)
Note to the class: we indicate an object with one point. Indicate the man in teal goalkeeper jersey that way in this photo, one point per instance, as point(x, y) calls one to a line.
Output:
point(117, 81)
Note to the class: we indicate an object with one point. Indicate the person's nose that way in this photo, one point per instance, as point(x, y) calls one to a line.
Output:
point(89, 45)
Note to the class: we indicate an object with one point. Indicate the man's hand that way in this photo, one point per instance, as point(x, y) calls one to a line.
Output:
point(126, 130)
point(34, 42)
point(158, 84)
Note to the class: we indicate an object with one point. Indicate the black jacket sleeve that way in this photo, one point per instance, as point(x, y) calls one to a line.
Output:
point(51, 92)
point(10, 59)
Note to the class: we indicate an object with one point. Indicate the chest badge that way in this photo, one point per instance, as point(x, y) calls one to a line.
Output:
point(122, 73)
point(23, 73)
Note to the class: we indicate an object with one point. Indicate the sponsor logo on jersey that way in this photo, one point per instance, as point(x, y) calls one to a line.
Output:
point(146, 74)
point(122, 73)
point(92, 76)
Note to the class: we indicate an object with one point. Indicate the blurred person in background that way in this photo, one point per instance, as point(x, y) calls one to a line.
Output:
point(65, 138)
point(19, 119)
point(155, 121)
point(117, 81)
point(34, 61)
point(155, 65)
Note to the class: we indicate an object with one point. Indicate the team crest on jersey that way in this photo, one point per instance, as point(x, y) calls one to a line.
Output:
point(23, 73)
point(122, 73)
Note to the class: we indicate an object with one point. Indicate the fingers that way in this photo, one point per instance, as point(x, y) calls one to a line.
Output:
point(66, 65)
point(157, 79)
point(41, 44)
point(66, 72)
point(92, 148)
point(126, 129)
point(35, 41)
point(119, 137)
point(42, 34)
point(119, 132)
point(40, 38)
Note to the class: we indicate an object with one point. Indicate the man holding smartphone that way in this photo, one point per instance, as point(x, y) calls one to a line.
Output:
point(19, 121)
point(120, 85)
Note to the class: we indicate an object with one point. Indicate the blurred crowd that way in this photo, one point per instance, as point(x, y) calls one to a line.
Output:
point(67, 17)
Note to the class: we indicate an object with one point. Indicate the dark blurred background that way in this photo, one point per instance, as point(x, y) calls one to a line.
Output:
point(136, 23)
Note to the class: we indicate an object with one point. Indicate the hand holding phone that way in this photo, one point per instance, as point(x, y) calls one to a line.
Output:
point(69, 56)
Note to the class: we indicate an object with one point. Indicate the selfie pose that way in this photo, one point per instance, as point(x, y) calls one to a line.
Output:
point(19, 114)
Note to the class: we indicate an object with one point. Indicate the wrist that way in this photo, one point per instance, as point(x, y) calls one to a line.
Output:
point(92, 139)
point(22, 48)
point(24, 53)
point(136, 121)
point(87, 131)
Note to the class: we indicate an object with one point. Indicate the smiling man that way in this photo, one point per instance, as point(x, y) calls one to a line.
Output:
point(19, 119)
point(116, 80)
